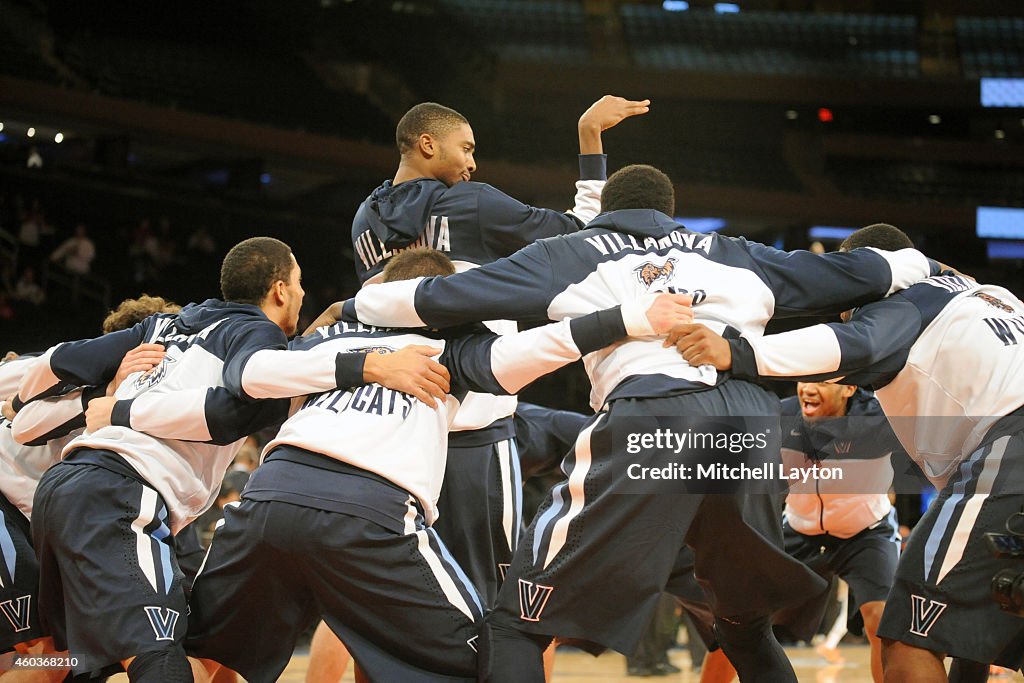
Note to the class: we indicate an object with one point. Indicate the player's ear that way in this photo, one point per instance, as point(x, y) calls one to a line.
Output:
point(427, 144)
point(277, 290)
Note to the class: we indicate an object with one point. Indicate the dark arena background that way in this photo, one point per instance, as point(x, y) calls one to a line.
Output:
point(169, 131)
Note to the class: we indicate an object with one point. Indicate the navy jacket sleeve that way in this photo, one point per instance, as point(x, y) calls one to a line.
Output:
point(804, 283)
point(507, 225)
point(247, 339)
point(867, 351)
point(81, 363)
point(515, 288)
point(204, 414)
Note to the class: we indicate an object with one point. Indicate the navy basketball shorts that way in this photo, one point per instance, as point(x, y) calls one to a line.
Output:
point(866, 562)
point(110, 587)
point(398, 601)
point(481, 511)
point(19, 579)
point(598, 555)
point(941, 599)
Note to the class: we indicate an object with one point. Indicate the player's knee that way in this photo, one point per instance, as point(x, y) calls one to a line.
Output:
point(169, 665)
point(742, 631)
point(872, 614)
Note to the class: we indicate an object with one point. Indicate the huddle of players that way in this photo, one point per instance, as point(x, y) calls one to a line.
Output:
point(368, 441)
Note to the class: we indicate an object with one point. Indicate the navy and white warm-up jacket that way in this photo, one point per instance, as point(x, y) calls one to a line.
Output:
point(474, 224)
point(390, 433)
point(734, 283)
point(944, 357)
point(862, 445)
point(180, 424)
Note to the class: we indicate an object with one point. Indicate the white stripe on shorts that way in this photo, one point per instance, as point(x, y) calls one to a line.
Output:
point(969, 517)
point(507, 492)
point(576, 497)
point(143, 544)
point(451, 591)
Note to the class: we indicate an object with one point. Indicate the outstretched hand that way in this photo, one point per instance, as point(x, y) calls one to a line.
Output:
point(411, 370)
point(700, 346)
point(604, 114)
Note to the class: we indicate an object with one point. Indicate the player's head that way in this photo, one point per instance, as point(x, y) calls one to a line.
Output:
point(639, 187)
point(823, 400)
point(419, 262)
point(879, 236)
point(132, 311)
point(438, 141)
point(262, 271)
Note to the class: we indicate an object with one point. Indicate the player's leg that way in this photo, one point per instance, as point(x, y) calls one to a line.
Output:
point(249, 603)
point(717, 668)
point(872, 614)
point(425, 620)
point(571, 576)
point(941, 601)
point(21, 630)
point(905, 663)
point(481, 504)
point(328, 657)
point(117, 554)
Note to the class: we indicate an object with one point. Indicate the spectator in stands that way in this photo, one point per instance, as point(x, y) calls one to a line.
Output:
point(202, 242)
point(27, 289)
point(76, 253)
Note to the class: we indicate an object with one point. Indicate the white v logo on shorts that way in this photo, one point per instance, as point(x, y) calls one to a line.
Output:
point(924, 614)
point(532, 599)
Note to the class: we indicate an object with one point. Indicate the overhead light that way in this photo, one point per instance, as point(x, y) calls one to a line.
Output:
point(934, 119)
point(825, 115)
point(58, 138)
point(791, 114)
point(727, 8)
point(675, 5)
point(31, 132)
point(2, 125)
point(1000, 134)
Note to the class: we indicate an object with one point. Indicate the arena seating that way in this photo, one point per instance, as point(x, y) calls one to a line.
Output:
point(789, 43)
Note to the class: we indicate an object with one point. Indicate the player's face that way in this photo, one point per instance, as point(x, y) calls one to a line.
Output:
point(293, 298)
point(821, 400)
point(454, 161)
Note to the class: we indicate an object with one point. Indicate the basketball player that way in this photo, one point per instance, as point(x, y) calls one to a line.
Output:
point(945, 361)
point(577, 574)
point(336, 520)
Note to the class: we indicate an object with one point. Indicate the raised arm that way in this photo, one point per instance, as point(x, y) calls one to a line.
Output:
point(507, 225)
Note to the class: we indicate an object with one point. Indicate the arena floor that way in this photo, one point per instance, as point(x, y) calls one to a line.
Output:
point(576, 667)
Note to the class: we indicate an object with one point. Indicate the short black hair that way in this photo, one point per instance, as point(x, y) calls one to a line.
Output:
point(639, 187)
point(418, 262)
point(426, 117)
point(252, 266)
point(879, 236)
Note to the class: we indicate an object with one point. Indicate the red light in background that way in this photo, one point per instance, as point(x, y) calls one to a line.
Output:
point(825, 115)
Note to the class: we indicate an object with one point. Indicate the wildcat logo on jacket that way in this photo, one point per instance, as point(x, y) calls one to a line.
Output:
point(649, 273)
point(994, 302)
point(154, 375)
point(372, 349)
